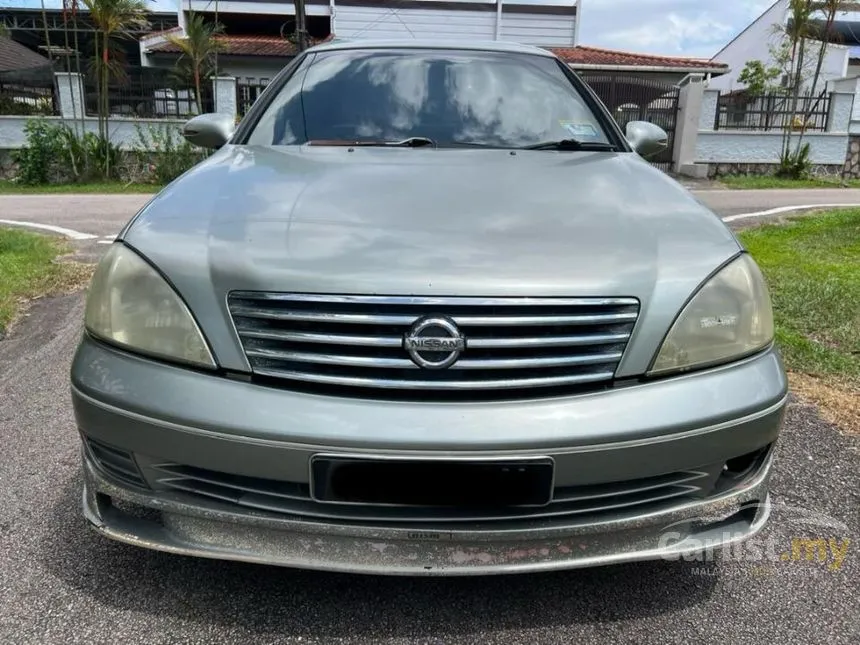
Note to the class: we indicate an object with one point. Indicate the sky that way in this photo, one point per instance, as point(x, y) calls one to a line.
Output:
point(673, 27)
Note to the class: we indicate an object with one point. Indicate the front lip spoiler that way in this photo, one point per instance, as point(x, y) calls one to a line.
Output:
point(208, 532)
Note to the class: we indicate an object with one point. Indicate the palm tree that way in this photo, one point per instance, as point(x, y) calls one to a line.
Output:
point(199, 47)
point(112, 20)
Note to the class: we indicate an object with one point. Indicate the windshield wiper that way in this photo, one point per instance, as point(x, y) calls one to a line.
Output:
point(411, 142)
point(573, 144)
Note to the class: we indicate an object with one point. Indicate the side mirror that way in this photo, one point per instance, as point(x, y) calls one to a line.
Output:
point(646, 138)
point(209, 130)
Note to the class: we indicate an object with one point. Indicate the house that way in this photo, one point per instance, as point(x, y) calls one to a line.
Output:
point(758, 41)
point(258, 43)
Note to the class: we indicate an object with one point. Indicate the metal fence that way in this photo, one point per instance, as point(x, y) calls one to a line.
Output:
point(150, 92)
point(742, 111)
point(633, 98)
point(28, 92)
point(248, 90)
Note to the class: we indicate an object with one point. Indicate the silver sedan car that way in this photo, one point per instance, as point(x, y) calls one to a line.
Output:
point(427, 310)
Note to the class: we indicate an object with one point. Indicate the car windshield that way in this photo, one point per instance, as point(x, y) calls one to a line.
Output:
point(451, 98)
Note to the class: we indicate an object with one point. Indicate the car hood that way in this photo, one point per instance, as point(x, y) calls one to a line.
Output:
point(429, 222)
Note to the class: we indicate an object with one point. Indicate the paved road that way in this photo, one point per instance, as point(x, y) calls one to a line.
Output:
point(60, 583)
point(104, 215)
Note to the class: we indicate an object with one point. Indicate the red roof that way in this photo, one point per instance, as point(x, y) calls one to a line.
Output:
point(596, 56)
point(241, 45)
point(580, 55)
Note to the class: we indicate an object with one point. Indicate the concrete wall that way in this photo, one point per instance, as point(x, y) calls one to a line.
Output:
point(726, 146)
point(755, 147)
point(122, 132)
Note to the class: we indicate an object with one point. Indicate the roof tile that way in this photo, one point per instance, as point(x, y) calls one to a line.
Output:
point(276, 46)
point(15, 56)
point(610, 57)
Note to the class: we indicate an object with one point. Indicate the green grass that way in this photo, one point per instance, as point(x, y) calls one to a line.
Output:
point(752, 182)
point(9, 188)
point(812, 265)
point(28, 270)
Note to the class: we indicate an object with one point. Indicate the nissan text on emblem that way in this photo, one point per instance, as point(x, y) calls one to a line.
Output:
point(434, 342)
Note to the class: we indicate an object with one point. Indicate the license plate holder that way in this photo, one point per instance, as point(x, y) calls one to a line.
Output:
point(449, 483)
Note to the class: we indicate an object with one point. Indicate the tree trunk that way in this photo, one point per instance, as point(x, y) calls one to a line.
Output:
point(197, 96)
point(81, 96)
point(103, 142)
point(822, 53)
point(798, 79)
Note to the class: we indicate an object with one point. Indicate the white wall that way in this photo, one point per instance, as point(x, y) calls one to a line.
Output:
point(122, 132)
point(383, 22)
point(392, 22)
point(539, 29)
point(727, 146)
point(256, 70)
point(763, 147)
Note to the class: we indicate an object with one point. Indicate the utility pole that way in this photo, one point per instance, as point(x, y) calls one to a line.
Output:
point(301, 29)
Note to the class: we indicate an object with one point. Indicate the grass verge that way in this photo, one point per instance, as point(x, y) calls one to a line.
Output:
point(29, 268)
point(112, 187)
point(753, 182)
point(812, 265)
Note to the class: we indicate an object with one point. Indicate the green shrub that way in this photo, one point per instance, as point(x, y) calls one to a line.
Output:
point(54, 153)
point(37, 159)
point(795, 165)
point(165, 154)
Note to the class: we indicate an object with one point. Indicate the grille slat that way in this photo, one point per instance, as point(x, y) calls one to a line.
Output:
point(407, 319)
point(514, 346)
point(325, 339)
point(294, 499)
point(354, 381)
point(404, 363)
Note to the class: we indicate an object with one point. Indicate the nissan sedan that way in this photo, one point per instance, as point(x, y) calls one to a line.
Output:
point(427, 310)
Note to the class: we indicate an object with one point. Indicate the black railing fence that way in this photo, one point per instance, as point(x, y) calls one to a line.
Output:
point(776, 111)
point(150, 92)
point(28, 92)
point(248, 90)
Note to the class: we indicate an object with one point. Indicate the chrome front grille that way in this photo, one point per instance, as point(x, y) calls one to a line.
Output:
point(294, 499)
point(358, 341)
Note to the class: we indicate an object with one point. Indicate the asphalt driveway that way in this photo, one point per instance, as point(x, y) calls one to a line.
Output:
point(104, 215)
point(61, 583)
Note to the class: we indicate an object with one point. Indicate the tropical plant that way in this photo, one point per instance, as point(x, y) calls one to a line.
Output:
point(112, 19)
point(758, 78)
point(795, 164)
point(54, 153)
point(199, 48)
point(164, 153)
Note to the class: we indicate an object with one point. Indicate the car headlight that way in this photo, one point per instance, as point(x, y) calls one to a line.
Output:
point(729, 317)
point(131, 305)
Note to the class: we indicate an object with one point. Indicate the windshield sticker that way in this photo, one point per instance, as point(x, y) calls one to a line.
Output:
point(577, 129)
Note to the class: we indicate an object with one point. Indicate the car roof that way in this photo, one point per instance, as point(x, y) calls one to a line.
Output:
point(432, 43)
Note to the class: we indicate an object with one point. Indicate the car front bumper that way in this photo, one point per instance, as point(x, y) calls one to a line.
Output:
point(158, 413)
